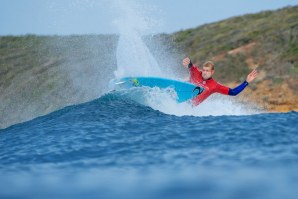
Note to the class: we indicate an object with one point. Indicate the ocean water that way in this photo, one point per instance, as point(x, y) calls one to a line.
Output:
point(117, 147)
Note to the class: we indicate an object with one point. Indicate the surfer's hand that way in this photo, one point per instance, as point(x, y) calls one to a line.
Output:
point(186, 62)
point(251, 76)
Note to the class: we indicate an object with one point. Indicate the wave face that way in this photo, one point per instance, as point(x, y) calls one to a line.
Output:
point(115, 147)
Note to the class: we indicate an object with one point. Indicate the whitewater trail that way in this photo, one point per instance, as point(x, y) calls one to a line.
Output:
point(165, 101)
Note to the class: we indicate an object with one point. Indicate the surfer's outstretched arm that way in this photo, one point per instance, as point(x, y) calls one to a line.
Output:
point(250, 77)
point(187, 63)
point(235, 91)
point(194, 71)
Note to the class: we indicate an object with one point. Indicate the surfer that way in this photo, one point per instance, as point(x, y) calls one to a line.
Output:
point(204, 78)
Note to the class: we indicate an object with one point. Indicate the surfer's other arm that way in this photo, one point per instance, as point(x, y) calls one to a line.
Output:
point(250, 77)
point(187, 63)
point(195, 72)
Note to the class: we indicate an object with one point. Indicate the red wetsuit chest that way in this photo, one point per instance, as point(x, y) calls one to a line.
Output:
point(210, 85)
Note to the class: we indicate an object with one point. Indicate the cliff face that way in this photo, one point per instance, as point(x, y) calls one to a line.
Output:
point(267, 41)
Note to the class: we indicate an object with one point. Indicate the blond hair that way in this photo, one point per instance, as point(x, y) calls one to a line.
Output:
point(209, 64)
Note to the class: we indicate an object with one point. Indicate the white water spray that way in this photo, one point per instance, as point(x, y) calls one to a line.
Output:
point(164, 101)
point(133, 56)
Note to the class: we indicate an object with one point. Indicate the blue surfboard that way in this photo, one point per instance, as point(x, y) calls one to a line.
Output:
point(184, 90)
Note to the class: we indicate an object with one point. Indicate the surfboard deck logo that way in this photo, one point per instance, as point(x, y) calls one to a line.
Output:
point(135, 82)
point(184, 90)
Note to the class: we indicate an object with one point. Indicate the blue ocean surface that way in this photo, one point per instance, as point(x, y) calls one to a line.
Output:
point(115, 147)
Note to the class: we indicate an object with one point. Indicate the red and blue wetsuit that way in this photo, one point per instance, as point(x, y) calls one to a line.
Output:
point(210, 85)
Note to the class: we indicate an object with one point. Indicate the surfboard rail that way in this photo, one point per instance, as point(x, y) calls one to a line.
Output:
point(184, 90)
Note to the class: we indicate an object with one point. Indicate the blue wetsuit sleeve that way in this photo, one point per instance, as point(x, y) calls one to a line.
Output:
point(238, 89)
